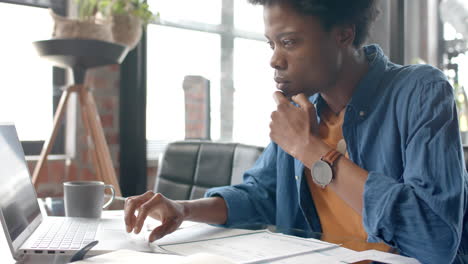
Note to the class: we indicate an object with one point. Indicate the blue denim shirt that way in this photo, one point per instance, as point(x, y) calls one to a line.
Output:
point(401, 126)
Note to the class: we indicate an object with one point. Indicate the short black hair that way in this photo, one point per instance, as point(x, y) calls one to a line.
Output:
point(360, 13)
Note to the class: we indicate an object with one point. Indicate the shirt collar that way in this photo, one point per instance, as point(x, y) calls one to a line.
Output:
point(368, 85)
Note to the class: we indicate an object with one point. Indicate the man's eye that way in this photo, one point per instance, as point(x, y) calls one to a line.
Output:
point(288, 42)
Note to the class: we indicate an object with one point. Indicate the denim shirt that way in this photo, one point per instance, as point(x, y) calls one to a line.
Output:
point(401, 126)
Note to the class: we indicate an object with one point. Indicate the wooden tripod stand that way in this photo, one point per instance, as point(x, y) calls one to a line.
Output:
point(80, 55)
point(92, 124)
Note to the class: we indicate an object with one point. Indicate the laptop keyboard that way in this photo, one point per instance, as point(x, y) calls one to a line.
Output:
point(67, 233)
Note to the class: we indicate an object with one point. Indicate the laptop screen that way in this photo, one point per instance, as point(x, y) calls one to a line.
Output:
point(18, 201)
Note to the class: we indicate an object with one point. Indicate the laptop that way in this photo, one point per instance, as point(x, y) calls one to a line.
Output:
point(28, 231)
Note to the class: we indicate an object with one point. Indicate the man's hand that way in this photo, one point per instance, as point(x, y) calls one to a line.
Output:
point(291, 127)
point(170, 213)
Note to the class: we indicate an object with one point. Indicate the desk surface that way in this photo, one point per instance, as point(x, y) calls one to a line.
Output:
point(54, 207)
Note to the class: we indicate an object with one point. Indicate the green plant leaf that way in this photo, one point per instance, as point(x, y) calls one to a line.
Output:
point(138, 8)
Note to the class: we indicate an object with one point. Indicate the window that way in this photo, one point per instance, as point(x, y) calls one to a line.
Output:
point(253, 79)
point(180, 11)
point(456, 64)
point(26, 86)
point(248, 17)
point(253, 99)
point(224, 44)
point(172, 54)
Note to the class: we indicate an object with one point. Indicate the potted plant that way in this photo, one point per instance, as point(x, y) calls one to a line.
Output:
point(86, 26)
point(128, 19)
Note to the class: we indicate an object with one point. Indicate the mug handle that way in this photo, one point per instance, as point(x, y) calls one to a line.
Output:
point(112, 198)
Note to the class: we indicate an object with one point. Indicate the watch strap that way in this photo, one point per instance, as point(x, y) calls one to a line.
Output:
point(331, 157)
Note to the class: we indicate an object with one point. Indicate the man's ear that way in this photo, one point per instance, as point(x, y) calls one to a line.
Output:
point(345, 35)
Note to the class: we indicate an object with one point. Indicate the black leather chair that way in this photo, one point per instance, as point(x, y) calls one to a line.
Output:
point(188, 168)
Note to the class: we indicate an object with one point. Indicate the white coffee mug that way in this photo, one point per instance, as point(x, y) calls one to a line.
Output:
point(85, 198)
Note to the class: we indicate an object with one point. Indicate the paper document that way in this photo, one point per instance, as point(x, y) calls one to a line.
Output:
point(329, 256)
point(252, 248)
point(187, 232)
point(313, 258)
point(201, 232)
point(132, 257)
point(379, 256)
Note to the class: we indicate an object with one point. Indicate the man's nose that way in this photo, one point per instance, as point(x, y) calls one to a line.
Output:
point(277, 61)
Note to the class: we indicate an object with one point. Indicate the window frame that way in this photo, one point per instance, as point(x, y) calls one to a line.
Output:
point(33, 148)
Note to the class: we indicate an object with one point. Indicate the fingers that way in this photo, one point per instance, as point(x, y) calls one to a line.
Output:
point(280, 98)
point(131, 204)
point(305, 104)
point(301, 100)
point(164, 229)
point(144, 210)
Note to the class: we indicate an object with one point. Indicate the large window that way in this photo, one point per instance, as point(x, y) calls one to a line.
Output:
point(26, 86)
point(172, 54)
point(248, 17)
point(253, 98)
point(224, 44)
point(26, 83)
point(180, 11)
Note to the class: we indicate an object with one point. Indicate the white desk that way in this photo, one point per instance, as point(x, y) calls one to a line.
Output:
point(193, 232)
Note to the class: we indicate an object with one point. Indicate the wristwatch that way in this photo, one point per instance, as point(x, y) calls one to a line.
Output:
point(322, 170)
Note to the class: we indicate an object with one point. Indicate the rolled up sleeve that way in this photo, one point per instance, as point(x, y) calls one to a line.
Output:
point(421, 213)
point(254, 201)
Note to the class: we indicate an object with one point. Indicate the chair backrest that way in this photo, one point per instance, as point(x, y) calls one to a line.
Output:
point(188, 168)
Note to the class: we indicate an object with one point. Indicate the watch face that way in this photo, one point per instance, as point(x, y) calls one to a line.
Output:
point(322, 173)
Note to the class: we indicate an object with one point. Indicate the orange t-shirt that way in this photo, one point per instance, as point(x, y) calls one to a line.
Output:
point(340, 223)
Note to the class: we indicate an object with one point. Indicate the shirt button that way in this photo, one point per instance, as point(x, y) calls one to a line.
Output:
point(362, 113)
point(297, 177)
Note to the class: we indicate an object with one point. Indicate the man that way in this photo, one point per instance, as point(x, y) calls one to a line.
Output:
point(366, 149)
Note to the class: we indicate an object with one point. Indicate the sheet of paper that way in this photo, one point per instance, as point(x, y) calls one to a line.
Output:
point(204, 258)
point(114, 220)
point(196, 232)
point(193, 231)
point(251, 248)
point(200, 232)
point(150, 223)
point(312, 258)
point(187, 232)
point(131, 257)
point(379, 256)
point(339, 251)
point(319, 257)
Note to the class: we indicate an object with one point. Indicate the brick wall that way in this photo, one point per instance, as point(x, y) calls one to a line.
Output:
point(197, 107)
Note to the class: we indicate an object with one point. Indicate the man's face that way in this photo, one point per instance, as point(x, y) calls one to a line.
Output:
point(306, 58)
